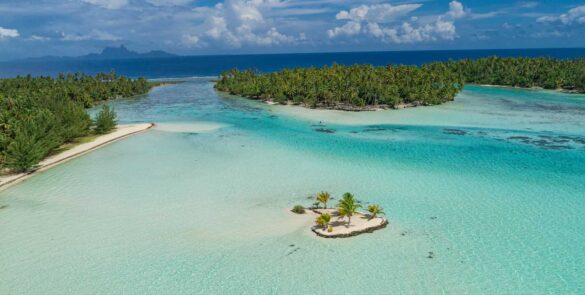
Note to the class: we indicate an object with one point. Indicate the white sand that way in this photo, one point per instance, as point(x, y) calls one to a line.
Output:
point(359, 223)
point(121, 131)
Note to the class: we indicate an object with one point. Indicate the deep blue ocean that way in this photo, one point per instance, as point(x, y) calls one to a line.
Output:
point(196, 66)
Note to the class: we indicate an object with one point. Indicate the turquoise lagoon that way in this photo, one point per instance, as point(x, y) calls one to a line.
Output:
point(492, 184)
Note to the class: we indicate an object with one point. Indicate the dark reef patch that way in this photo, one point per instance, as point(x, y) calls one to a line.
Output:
point(454, 131)
point(550, 142)
point(374, 129)
point(325, 130)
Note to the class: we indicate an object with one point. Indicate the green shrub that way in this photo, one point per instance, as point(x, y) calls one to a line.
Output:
point(105, 120)
point(34, 137)
point(298, 209)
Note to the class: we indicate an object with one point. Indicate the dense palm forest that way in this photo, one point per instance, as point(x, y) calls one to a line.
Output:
point(345, 87)
point(548, 73)
point(39, 114)
point(364, 86)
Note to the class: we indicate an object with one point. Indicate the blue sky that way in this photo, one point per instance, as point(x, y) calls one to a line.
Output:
point(75, 27)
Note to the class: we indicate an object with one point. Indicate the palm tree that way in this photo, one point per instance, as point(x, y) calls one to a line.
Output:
point(323, 197)
point(348, 207)
point(323, 219)
point(374, 210)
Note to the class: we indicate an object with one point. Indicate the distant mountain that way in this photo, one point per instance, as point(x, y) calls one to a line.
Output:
point(123, 53)
point(108, 53)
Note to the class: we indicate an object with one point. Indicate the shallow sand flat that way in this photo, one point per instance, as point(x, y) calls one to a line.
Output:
point(120, 132)
point(197, 127)
point(480, 107)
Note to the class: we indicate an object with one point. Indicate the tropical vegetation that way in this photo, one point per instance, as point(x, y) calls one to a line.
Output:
point(375, 210)
point(348, 206)
point(298, 209)
point(547, 73)
point(105, 120)
point(323, 220)
point(344, 87)
point(323, 198)
point(39, 114)
point(359, 87)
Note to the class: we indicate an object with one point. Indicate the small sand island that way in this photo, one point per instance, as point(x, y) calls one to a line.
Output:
point(345, 220)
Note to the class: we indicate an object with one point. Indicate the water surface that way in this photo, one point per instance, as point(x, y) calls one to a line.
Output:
point(493, 184)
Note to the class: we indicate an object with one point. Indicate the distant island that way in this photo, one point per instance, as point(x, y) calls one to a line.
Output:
point(109, 53)
point(365, 87)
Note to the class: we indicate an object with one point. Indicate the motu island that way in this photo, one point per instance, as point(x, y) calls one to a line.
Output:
point(345, 220)
point(365, 87)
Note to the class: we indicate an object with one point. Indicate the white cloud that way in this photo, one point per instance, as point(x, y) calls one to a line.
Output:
point(350, 28)
point(370, 20)
point(237, 23)
point(406, 33)
point(547, 19)
point(528, 4)
point(108, 4)
point(484, 15)
point(169, 2)
point(508, 26)
point(456, 10)
point(574, 15)
point(94, 35)
point(369, 17)
point(8, 33)
point(553, 34)
point(39, 38)
point(192, 41)
point(380, 13)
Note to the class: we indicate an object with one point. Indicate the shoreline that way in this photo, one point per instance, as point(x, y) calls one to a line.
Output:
point(336, 107)
point(560, 90)
point(342, 107)
point(121, 132)
point(383, 107)
point(361, 224)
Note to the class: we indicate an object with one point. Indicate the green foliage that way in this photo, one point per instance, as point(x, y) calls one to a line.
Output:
point(323, 220)
point(298, 209)
point(348, 206)
point(31, 142)
point(39, 114)
point(339, 86)
point(547, 73)
point(105, 120)
point(323, 197)
point(375, 210)
point(359, 86)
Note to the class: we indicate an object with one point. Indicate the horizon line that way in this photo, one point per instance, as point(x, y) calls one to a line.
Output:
point(293, 53)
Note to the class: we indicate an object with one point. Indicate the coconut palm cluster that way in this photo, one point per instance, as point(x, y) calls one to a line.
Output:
point(347, 207)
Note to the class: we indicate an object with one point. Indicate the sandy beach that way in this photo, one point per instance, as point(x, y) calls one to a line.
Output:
point(121, 131)
point(360, 223)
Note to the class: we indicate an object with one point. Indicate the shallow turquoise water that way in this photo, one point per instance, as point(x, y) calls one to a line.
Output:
point(493, 184)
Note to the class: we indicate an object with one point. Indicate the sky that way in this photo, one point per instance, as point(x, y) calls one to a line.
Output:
point(30, 28)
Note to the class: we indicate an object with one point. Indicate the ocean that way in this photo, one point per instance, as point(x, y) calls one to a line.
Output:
point(196, 66)
point(493, 184)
